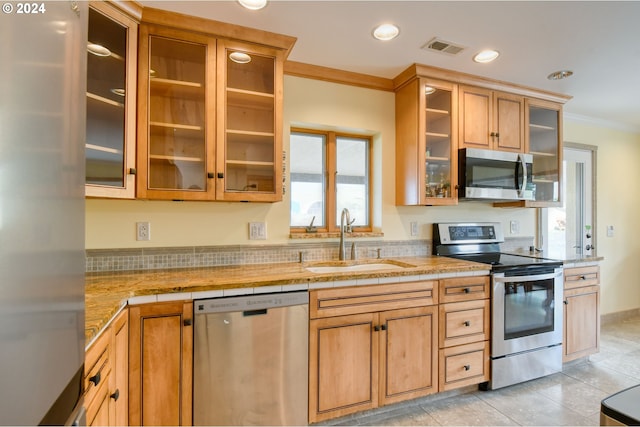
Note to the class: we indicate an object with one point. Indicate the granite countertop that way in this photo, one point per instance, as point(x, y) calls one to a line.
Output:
point(107, 293)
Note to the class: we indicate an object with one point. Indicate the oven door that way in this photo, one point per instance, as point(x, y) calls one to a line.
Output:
point(526, 310)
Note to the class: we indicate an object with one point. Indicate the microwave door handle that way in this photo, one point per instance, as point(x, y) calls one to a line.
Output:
point(523, 183)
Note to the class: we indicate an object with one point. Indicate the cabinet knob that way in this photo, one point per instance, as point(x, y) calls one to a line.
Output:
point(565, 302)
point(467, 290)
point(383, 327)
point(132, 171)
point(376, 328)
point(95, 379)
point(115, 395)
point(187, 322)
point(220, 175)
point(467, 367)
point(467, 323)
point(210, 175)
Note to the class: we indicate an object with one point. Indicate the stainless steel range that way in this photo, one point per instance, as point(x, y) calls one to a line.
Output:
point(526, 301)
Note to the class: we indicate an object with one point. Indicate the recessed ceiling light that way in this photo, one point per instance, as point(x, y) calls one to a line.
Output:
point(386, 32)
point(98, 49)
point(559, 75)
point(428, 90)
point(486, 56)
point(118, 91)
point(240, 57)
point(253, 4)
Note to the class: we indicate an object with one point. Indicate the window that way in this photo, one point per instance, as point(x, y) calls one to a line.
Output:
point(330, 171)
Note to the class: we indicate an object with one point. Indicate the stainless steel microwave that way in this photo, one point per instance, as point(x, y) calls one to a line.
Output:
point(495, 175)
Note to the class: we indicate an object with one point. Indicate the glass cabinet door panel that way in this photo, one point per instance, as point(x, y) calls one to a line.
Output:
point(544, 144)
point(438, 151)
point(249, 122)
point(177, 125)
point(106, 101)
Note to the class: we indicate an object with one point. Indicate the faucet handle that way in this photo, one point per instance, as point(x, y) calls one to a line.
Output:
point(349, 228)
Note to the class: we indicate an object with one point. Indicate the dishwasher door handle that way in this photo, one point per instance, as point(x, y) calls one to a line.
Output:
point(254, 312)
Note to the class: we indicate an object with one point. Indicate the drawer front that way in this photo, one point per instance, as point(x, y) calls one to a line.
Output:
point(464, 365)
point(97, 367)
point(368, 299)
point(464, 289)
point(464, 322)
point(581, 276)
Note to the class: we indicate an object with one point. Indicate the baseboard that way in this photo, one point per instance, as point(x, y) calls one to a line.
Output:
point(619, 316)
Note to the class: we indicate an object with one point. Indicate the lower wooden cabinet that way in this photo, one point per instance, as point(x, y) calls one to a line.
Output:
point(161, 364)
point(365, 360)
point(581, 312)
point(106, 375)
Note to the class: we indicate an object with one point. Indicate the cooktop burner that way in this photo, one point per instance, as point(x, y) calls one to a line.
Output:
point(499, 260)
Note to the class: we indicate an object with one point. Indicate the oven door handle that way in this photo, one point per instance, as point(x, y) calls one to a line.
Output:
point(499, 277)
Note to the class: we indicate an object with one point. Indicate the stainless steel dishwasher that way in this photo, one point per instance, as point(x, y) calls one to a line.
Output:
point(251, 360)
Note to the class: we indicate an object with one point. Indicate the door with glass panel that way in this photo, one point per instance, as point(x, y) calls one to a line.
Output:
point(568, 230)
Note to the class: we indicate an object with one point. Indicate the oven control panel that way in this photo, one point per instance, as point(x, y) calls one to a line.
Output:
point(468, 233)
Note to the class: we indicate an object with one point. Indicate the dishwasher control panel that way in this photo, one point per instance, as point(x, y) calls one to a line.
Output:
point(250, 302)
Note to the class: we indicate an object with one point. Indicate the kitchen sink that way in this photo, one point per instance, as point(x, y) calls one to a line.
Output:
point(355, 266)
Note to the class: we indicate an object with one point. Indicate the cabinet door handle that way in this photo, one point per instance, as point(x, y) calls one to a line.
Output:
point(220, 175)
point(565, 302)
point(132, 171)
point(467, 367)
point(187, 322)
point(95, 379)
point(467, 323)
point(383, 327)
point(115, 395)
point(376, 328)
point(210, 175)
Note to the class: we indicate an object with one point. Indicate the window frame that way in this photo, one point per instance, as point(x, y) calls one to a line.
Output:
point(329, 171)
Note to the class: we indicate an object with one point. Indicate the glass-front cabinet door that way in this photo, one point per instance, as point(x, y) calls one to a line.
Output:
point(440, 153)
point(426, 142)
point(249, 134)
point(111, 102)
point(544, 142)
point(176, 126)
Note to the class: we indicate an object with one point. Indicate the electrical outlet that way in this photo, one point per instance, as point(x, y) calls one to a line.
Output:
point(257, 231)
point(609, 230)
point(143, 231)
point(515, 227)
point(414, 228)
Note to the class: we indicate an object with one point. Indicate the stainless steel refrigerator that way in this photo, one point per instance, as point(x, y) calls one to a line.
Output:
point(42, 262)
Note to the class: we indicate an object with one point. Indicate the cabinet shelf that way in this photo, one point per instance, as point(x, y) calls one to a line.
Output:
point(250, 99)
point(437, 159)
point(534, 127)
point(176, 158)
point(104, 100)
point(438, 135)
point(437, 111)
point(176, 88)
point(103, 149)
point(542, 154)
point(251, 163)
point(176, 126)
point(249, 133)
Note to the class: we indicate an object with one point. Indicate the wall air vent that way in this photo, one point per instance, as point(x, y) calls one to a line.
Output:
point(443, 46)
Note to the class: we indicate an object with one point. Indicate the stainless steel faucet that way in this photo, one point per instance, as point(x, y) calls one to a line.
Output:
point(344, 217)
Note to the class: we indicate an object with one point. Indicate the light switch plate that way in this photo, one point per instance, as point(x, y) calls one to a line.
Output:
point(257, 231)
point(609, 230)
point(514, 227)
point(414, 228)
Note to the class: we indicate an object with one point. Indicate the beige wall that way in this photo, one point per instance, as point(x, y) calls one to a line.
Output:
point(618, 204)
point(111, 223)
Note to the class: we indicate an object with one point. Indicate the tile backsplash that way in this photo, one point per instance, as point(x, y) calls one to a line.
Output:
point(104, 260)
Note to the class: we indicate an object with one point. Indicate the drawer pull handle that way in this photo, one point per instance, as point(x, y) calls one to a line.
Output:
point(95, 379)
point(467, 323)
point(467, 367)
point(115, 395)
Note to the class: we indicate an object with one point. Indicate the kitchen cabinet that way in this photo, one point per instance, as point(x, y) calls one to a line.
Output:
point(209, 117)
point(464, 334)
point(581, 312)
point(491, 120)
point(370, 346)
point(106, 378)
point(426, 142)
point(544, 142)
point(161, 364)
point(111, 102)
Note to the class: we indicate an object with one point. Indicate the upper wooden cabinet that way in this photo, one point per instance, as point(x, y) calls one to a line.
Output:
point(210, 111)
point(426, 143)
point(491, 120)
point(111, 102)
point(544, 141)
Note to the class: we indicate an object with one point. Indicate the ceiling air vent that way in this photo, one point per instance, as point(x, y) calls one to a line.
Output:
point(443, 46)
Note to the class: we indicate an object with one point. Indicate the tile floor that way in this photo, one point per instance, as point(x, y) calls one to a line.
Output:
point(571, 397)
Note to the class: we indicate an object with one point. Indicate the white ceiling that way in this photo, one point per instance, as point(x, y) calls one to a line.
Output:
point(598, 40)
